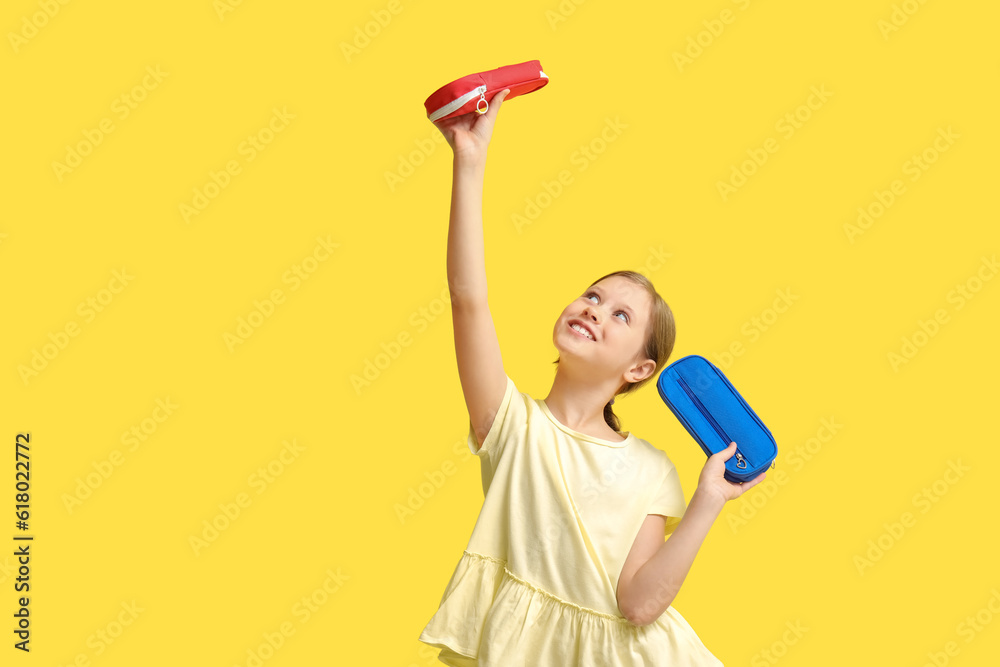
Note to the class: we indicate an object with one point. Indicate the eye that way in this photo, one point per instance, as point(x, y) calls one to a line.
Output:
point(594, 294)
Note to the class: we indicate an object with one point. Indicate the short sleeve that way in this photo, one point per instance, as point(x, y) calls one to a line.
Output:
point(510, 416)
point(669, 498)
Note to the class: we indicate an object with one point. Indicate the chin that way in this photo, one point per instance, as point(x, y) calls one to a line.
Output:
point(568, 348)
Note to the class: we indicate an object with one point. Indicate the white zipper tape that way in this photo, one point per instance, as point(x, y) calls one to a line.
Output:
point(457, 104)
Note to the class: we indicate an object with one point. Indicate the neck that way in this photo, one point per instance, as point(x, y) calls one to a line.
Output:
point(578, 403)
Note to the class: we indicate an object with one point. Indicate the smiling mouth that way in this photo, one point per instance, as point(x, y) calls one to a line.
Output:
point(580, 334)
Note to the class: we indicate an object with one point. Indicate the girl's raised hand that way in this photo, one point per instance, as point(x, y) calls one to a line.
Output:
point(469, 134)
point(712, 478)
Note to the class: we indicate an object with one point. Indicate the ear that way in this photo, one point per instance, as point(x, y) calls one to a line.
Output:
point(641, 371)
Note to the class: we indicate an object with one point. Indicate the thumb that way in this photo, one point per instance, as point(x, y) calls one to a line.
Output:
point(495, 103)
point(500, 97)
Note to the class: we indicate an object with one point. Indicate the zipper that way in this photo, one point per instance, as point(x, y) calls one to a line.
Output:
point(461, 102)
point(741, 462)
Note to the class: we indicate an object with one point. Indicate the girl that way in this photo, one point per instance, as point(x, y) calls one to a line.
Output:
point(568, 562)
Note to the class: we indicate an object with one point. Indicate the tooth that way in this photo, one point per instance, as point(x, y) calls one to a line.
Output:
point(583, 331)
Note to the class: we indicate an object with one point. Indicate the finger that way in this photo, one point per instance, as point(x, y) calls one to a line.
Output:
point(444, 125)
point(754, 482)
point(496, 102)
point(727, 453)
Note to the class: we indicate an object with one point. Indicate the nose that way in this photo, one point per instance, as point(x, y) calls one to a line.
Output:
point(591, 312)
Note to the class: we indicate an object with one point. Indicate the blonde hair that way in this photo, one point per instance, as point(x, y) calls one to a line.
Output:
point(661, 332)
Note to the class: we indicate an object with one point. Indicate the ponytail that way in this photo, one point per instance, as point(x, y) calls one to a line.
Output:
point(611, 418)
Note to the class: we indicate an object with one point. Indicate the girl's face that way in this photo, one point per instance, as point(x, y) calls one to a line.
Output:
point(616, 311)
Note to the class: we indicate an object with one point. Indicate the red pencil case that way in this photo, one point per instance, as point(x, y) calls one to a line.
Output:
point(474, 92)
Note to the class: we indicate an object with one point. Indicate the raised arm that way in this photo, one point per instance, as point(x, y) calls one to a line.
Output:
point(480, 366)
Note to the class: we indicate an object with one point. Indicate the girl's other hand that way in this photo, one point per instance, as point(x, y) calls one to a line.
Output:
point(469, 134)
point(713, 482)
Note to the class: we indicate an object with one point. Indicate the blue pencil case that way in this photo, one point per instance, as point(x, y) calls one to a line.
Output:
point(714, 413)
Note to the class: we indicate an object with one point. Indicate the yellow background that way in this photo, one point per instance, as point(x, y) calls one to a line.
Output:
point(358, 116)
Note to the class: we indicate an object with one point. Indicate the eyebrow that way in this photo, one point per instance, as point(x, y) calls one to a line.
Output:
point(624, 306)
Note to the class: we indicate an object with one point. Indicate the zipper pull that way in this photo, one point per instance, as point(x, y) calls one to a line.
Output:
point(482, 98)
point(740, 461)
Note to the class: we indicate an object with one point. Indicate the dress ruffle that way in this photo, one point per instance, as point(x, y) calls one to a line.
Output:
point(490, 617)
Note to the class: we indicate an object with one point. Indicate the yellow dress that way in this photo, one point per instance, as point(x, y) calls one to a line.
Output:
point(536, 585)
